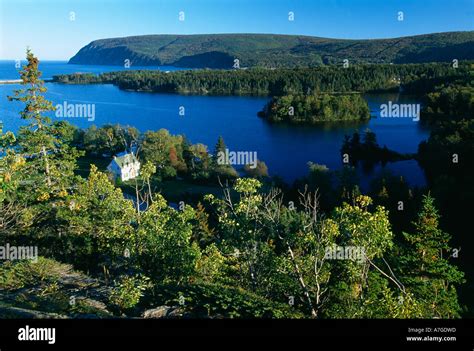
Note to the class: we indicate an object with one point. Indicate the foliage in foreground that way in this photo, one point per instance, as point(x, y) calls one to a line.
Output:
point(247, 253)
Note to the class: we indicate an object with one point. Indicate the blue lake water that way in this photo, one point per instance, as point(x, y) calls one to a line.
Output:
point(9, 69)
point(285, 149)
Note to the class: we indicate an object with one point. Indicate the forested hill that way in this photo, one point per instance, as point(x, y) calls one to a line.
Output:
point(270, 50)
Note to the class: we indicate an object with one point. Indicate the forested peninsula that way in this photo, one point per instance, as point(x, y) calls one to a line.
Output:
point(411, 78)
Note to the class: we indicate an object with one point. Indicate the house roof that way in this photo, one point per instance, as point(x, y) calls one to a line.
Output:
point(125, 159)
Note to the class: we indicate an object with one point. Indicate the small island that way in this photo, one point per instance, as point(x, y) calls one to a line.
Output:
point(366, 149)
point(316, 108)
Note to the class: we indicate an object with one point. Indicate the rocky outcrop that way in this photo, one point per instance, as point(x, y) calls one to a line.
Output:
point(20, 313)
point(164, 312)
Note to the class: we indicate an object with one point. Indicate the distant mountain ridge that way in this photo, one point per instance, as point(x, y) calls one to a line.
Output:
point(272, 50)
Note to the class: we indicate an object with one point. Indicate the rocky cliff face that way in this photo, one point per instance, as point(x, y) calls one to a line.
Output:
point(113, 56)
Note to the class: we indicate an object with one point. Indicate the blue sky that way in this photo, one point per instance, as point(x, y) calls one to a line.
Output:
point(44, 25)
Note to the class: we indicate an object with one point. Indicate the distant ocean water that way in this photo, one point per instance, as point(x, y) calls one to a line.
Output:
point(9, 71)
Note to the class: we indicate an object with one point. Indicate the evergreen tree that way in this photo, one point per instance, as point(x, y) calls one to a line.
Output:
point(370, 139)
point(203, 233)
point(221, 168)
point(48, 174)
point(220, 147)
point(428, 272)
point(51, 162)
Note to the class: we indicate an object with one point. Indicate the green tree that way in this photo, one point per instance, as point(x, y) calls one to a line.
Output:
point(201, 161)
point(365, 285)
point(259, 171)
point(11, 175)
point(161, 149)
point(220, 166)
point(96, 222)
point(219, 148)
point(425, 263)
point(48, 172)
point(163, 245)
point(38, 139)
point(203, 233)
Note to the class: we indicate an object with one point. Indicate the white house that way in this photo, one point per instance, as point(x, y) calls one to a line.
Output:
point(124, 166)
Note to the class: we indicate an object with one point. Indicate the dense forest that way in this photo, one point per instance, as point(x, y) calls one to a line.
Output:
point(317, 250)
point(413, 78)
point(271, 50)
point(454, 101)
point(316, 108)
point(447, 158)
point(365, 148)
